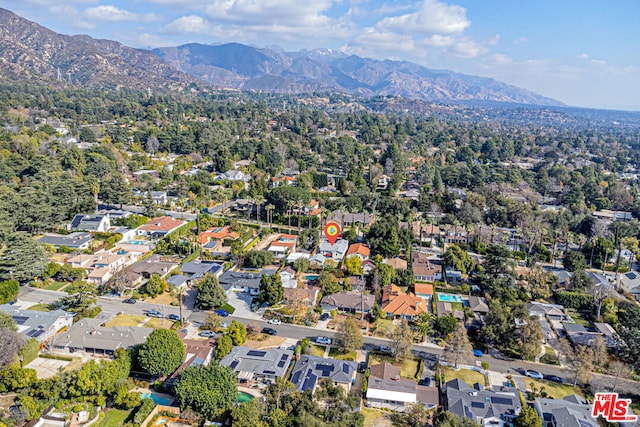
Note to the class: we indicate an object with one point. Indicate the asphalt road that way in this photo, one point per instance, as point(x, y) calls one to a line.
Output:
point(430, 353)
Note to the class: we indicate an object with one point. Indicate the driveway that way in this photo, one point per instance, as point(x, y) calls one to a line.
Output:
point(241, 301)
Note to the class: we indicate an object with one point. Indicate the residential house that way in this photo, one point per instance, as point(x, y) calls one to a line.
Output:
point(356, 283)
point(77, 240)
point(631, 282)
point(387, 390)
point(444, 308)
point(489, 408)
point(159, 197)
point(360, 250)
point(288, 277)
point(261, 365)
point(244, 281)
point(555, 312)
point(198, 353)
point(101, 266)
point(383, 182)
point(217, 234)
point(276, 181)
point(234, 175)
point(348, 301)
point(197, 269)
point(571, 411)
point(564, 277)
point(425, 269)
point(96, 223)
point(160, 227)
point(478, 305)
point(580, 335)
point(41, 325)
point(178, 281)
point(346, 219)
point(398, 304)
point(115, 213)
point(455, 234)
point(87, 335)
point(396, 263)
point(310, 370)
point(613, 216)
point(144, 269)
point(424, 291)
point(335, 252)
point(307, 296)
point(283, 245)
point(453, 277)
point(367, 267)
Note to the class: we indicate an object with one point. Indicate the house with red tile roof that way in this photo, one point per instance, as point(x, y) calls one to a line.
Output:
point(283, 245)
point(402, 305)
point(217, 233)
point(360, 250)
point(160, 226)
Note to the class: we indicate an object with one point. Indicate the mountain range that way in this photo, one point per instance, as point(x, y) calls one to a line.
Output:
point(30, 52)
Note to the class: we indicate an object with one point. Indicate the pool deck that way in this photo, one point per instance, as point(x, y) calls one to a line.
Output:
point(169, 397)
point(252, 391)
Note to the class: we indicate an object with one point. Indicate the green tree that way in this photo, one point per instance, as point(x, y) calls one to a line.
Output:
point(348, 336)
point(271, 289)
point(258, 259)
point(458, 348)
point(7, 322)
point(210, 293)
point(445, 325)
point(458, 258)
point(237, 332)
point(208, 390)
point(223, 346)
point(353, 265)
point(162, 352)
point(301, 265)
point(155, 285)
point(528, 418)
point(424, 324)
point(22, 258)
point(401, 340)
point(9, 290)
point(573, 261)
point(383, 237)
point(248, 414)
point(11, 344)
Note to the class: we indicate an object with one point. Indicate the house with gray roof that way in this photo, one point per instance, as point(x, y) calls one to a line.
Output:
point(572, 411)
point(262, 365)
point(75, 240)
point(486, 407)
point(41, 325)
point(196, 270)
point(83, 222)
point(387, 390)
point(348, 301)
point(552, 311)
point(580, 335)
point(310, 370)
point(335, 252)
point(631, 282)
point(244, 281)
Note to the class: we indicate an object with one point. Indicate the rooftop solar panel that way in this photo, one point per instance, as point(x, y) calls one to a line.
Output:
point(282, 363)
point(20, 320)
point(477, 405)
point(256, 353)
point(501, 400)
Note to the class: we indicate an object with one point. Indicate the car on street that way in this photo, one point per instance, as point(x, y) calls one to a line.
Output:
point(275, 321)
point(154, 313)
point(207, 334)
point(129, 301)
point(323, 340)
point(269, 331)
point(385, 349)
point(222, 313)
point(477, 353)
point(173, 317)
point(554, 378)
point(324, 316)
point(533, 374)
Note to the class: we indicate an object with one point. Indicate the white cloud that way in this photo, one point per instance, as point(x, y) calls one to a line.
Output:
point(494, 40)
point(108, 13)
point(467, 48)
point(501, 58)
point(192, 24)
point(432, 17)
point(598, 62)
point(521, 40)
point(584, 56)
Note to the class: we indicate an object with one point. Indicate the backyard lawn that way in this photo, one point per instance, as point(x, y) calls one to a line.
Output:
point(375, 418)
point(114, 418)
point(125, 320)
point(408, 367)
point(554, 390)
point(467, 375)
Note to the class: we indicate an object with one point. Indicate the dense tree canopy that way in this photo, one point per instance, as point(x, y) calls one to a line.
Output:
point(208, 390)
point(162, 352)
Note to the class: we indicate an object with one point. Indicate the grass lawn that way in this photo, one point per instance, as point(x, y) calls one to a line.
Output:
point(549, 357)
point(334, 353)
point(164, 299)
point(56, 286)
point(467, 375)
point(316, 350)
point(39, 307)
point(382, 327)
point(159, 323)
point(408, 367)
point(577, 317)
point(126, 320)
point(228, 308)
point(554, 390)
point(114, 418)
point(375, 417)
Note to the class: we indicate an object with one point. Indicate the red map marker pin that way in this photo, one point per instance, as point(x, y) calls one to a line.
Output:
point(332, 232)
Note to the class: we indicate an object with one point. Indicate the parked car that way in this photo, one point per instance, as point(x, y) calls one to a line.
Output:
point(362, 366)
point(129, 301)
point(478, 353)
point(224, 325)
point(207, 334)
point(173, 317)
point(154, 313)
point(324, 316)
point(222, 313)
point(269, 331)
point(533, 374)
point(323, 340)
point(554, 378)
point(275, 321)
point(385, 349)
point(425, 382)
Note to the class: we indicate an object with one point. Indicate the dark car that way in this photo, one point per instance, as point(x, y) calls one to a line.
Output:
point(269, 331)
point(222, 313)
point(554, 378)
point(425, 382)
point(324, 316)
point(129, 301)
point(362, 366)
point(173, 317)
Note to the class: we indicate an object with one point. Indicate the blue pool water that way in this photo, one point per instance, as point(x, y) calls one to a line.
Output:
point(138, 242)
point(157, 399)
point(450, 298)
point(311, 277)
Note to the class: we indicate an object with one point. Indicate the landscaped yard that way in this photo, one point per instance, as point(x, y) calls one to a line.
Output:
point(408, 367)
point(554, 390)
point(56, 286)
point(375, 418)
point(382, 327)
point(39, 307)
point(114, 418)
point(577, 317)
point(159, 323)
point(336, 354)
point(125, 320)
point(163, 299)
point(467, 375)
point(316, 350)
point(549, 357)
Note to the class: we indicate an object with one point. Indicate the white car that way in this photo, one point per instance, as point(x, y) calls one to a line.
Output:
point(323, 340)
point(275, 321)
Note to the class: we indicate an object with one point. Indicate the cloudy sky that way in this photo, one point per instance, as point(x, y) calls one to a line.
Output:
point(582, 52)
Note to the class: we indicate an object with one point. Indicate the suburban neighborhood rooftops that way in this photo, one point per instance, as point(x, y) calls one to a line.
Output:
point(309, 370)
point(74, 240)
point(272, 362)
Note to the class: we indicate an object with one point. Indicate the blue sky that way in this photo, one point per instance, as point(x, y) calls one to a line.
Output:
point(584, 53)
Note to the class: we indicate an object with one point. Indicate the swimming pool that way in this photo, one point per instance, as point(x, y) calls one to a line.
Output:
point(450, 298)
point(157, 399)
point(311, 277)
point(243, 397)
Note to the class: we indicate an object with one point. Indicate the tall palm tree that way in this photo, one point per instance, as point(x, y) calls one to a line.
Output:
point(269, 208)
point(259, 201)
